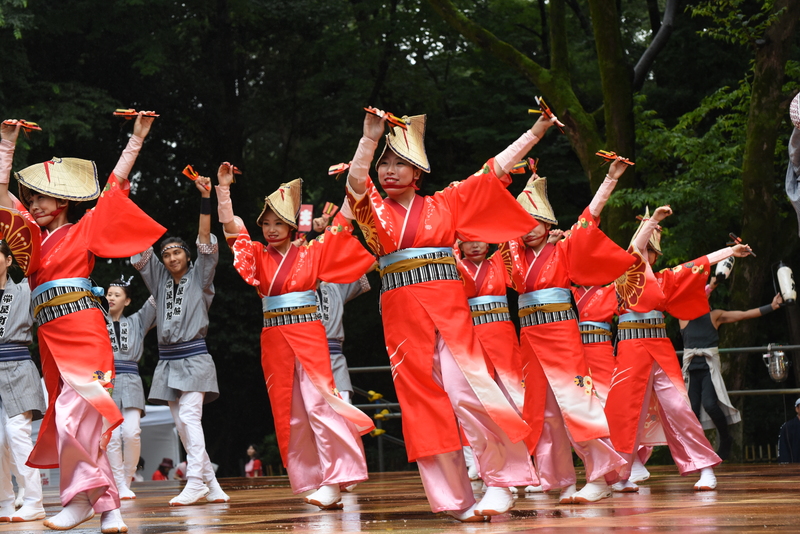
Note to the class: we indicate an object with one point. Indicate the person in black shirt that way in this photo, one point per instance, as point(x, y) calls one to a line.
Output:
point(789, 439)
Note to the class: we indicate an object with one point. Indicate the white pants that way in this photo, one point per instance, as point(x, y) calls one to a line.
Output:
point(187, 412)
point(125, 446)
point(15, 447)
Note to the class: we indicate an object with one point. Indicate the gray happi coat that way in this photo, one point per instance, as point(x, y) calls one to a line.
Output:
point(20, 384)
point(182, 315)
point(128, 389)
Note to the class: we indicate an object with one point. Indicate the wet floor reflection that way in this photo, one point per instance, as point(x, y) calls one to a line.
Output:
point(749, 497)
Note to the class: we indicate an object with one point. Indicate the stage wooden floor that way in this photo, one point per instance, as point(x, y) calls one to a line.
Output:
point(764, 498)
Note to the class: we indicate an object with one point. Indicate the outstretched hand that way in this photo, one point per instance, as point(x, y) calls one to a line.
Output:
point(203, 184)
point(375, 125)
point(777, 300)
point(320, 223)
point(616, 169)
point(741, 250)
point(662, 213)
point(225, 174)
point(541, 126)
point(555, 236)
point(10, 132)
point(143, 123)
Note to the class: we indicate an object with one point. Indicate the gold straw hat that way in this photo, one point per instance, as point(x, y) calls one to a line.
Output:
point(534, 199)
point(794, 111)
point(285, 202)
point(655, 237)
point(409, 144)
point(65, 178)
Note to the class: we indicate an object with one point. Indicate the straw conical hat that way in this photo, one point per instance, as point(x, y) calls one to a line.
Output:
point(655, 237)
point(534, 199)
point(285, 202)
point(794, 111)
point(409, 144)
point(66, 178)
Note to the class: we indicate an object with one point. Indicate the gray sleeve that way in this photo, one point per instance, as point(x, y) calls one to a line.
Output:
point(146, 316)
point(351, 291)
point(150, 269)
point(207, 259)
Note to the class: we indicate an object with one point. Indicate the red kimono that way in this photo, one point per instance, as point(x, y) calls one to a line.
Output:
point(75, 347)
point(335, 257)
point(597, 305)
point(679, 291)
point(478, 208)
point(552, 353)
point(498, 338)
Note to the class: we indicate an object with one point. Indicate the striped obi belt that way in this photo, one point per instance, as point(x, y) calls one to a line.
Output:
point(14, 352)
point(489, 309)
point(636, 325)
point(57, 298)
point(290, 308)
point(123, 367)
point(179, 351)
point(594, 332)
point(415, 266)
point(544, 306)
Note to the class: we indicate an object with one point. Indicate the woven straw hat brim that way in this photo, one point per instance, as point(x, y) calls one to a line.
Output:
point(287, 205)
point(655, 239)
point(409, 144)
point(64, 178)
point(534, 199)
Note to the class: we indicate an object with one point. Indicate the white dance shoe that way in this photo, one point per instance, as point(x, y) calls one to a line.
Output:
point(534, 489)
point(191, 494)
point(28, 513)
point(625, 486)
point(639, 472)
point(707, 482)
point(495, 501)
point(111, 522)
point(216, 494)
point(592, 492)
point(327, 498)
point(78, 510)
point(468, 515)
point(566, 494)
point(6, 511)
point(125, 493)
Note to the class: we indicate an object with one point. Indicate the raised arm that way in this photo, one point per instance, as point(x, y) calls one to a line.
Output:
point(650, 226)
point(8, 140)
point(128, 157)
point(374, 127)
point(607, 187)
point(224, 203)
point(204, 230)
point(517, 150)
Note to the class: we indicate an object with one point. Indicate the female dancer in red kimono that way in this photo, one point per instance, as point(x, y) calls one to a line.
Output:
point(646, 361)
point(318, 432)
point(438, 366)
point(77, 358)
point(596, 309)
point(560, 401)
point(485, 282)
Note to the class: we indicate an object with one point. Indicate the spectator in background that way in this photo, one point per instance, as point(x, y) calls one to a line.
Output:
point(789, 439)
point(253, 467)
point(139, 475)
point(162, 473)
point(702, 370)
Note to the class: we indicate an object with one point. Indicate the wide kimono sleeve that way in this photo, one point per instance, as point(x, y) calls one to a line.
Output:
point(117, 227)
point(513, 256)
point(684, 289)
point(340, 257)
point(23, 236)
point(246, 254)
point(592, 258)
point(483, 210)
